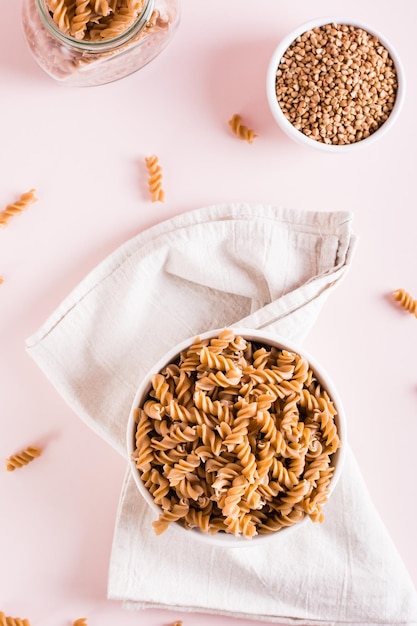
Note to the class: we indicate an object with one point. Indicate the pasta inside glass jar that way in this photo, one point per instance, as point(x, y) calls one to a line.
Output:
point(84, 43)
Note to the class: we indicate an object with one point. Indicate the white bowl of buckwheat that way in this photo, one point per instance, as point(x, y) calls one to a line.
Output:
point(335, 84)
point(236, 436)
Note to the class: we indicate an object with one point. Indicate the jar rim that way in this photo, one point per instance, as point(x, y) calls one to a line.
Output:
point(95, 46)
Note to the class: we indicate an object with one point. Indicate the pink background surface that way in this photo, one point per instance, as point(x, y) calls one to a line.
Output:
point(83, 151)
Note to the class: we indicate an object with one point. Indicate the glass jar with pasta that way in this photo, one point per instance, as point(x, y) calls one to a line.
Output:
point(83, 43)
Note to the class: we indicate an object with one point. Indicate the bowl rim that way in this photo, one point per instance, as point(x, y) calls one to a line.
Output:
point(270, 338)
point(288, 128)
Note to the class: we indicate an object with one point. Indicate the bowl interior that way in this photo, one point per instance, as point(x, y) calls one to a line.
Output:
point(298, 135)
point(222, 538)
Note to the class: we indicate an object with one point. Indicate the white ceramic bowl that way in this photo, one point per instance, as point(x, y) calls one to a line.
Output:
point(299, 136)
point(222, 538)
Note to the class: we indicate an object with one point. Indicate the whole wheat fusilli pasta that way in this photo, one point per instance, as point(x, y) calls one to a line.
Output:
point(407, 302)
point(61, 13)
point(155, 178)
point(12, 621)
point(22, 458)
point(78, 23)
point(240, 130)
point(237, 437)
point(17, 207)
point(94, 20)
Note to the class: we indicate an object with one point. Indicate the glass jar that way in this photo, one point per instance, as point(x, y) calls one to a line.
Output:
point(82, 43)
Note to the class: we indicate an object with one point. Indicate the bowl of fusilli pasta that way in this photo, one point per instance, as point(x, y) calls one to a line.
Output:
point(236, 436)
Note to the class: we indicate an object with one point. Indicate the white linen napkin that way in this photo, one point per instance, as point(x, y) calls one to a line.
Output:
point(245, 265)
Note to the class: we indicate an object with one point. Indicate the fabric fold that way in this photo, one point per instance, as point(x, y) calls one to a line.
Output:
point(346, 571)
point(197, 271)
point(254, 266)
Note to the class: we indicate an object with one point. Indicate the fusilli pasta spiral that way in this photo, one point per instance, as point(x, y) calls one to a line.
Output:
point(120, 21)
point(95, 20)
point(82, 621)
point(155, 178)
point(78, 24)
point(240, 130)
point(251, 452)
point(407, 302)
point(12, 621)
point(22, 458)
point(17, 207)
point(61, 13)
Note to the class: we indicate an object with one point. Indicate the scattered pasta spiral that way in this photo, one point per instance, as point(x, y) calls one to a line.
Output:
point(12, 621)
point(155, 178)
point(22, 458)
point(247, 450)
point(406, 301)
point(241, 131)
point(17, 207)
point(17, 621)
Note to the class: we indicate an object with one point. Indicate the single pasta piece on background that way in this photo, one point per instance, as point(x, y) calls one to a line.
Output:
point(12, 621)
point(22, 458)
point(241, 131)
point(17, 207)
point(82, 621)
point(406, 301)
point(155, 178)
